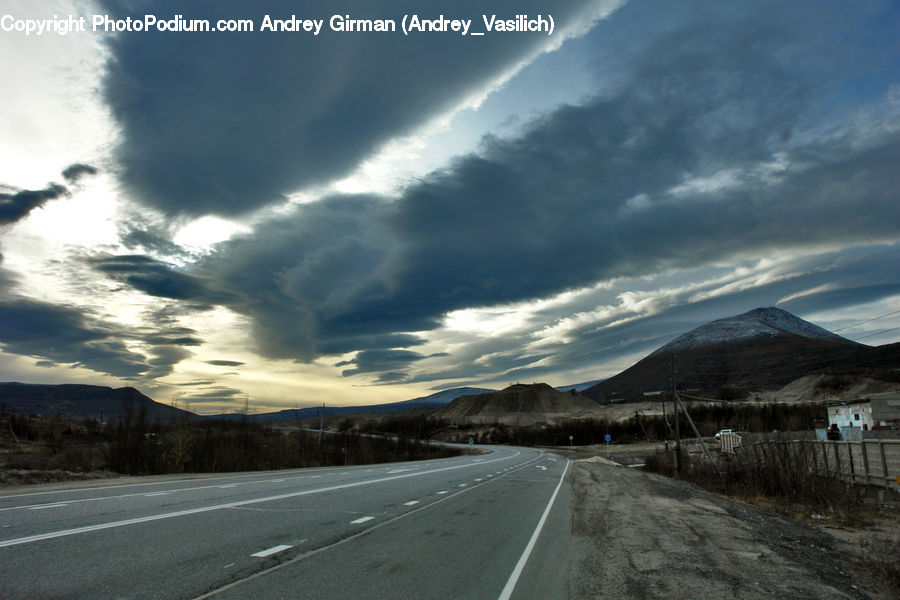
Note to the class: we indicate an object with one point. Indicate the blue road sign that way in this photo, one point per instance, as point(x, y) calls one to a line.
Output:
point(607, 438)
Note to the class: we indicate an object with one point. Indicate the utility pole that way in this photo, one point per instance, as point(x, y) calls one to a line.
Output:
point(677, 427)
point(322, 424)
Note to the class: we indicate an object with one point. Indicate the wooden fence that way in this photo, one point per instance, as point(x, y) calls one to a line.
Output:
point(866, 462)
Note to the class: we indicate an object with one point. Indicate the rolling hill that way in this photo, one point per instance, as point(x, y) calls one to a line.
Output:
point(84, 401)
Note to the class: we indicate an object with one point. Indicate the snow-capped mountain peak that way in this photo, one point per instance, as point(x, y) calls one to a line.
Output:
point(758, 322)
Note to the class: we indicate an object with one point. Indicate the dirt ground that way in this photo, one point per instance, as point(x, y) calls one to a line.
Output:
point(642, 535)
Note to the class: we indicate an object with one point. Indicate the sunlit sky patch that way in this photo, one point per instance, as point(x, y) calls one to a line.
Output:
point(289, 220)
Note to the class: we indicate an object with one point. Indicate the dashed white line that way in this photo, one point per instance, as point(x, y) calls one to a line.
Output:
point(411, 503)
point(156, 494)
point(442, 492)
point(479, 479)
point(203, 509)
point(271, 551)
point(462, 485)
point(361, 520)
point(47, 506)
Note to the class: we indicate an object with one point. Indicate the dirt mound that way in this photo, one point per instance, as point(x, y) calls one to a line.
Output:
point(519, 404)
point(821, 388)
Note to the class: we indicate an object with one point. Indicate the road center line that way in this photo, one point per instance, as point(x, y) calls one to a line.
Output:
point(520, 566)
point(361, 520)
point(42, 507)
point(345, 540)
point(202, 509)
point(271, 551)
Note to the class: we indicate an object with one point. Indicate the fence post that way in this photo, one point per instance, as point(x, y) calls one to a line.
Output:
point(884, 471)
point(837, 459)
point(865, 462)
point(852, 467)
point(815, 457)
point(825, 455)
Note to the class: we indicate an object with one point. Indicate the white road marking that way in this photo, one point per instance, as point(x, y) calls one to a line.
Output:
point(271, 551)
point(276, 480)
point(47, 506)
point(227, 485)
point(392, 471)
point(541, 467)
point(361, 520)
point(479, 479)
point(520, 566)
point(411, 503)
point(442, 492)
point(202, 509)
point(462, 485)
point(156, 494)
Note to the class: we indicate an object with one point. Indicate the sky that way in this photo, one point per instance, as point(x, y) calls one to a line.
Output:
point(290, 218)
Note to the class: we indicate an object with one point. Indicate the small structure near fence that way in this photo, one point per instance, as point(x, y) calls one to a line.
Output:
point(866, 462)
point(858, 415)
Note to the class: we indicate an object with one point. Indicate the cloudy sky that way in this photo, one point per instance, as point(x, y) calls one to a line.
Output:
point(354, 218)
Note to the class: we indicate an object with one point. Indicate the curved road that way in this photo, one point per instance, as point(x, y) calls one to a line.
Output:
point(495, 525)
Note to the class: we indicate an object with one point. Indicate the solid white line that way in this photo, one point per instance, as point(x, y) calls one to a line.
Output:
point(47, 506)
point(361, 520)
point(156, 494)
point(520, 566)
point(202, 509)
point(271, 551)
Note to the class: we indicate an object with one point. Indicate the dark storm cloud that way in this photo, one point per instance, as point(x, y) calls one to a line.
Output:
point(225, 363)
point(68, 334)
point(74, 172)
point(374, 361)
point(225, 123)
point(164, 358)
point(157, 278)
point(214, 394)
point(65, 334)
point(136, 234)
point(702, 152)
point(17, 206)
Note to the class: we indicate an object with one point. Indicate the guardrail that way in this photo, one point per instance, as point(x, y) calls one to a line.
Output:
point(867, 462)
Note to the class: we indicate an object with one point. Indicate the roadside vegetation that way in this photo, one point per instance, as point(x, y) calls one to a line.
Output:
point(709, 419)
point(135, 446)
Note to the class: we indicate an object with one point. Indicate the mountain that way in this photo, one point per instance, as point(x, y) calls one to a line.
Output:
point(434, 400)
point(578, 387)
point(763, 349)
point(84, 401)
point(518, 404)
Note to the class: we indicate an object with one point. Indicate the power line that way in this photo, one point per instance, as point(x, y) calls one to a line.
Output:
point(876, 333)
point(866, 321)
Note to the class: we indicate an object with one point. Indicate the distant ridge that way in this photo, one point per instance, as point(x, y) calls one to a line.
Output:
point(762, 349)
point(434, 400)
point(83, 401)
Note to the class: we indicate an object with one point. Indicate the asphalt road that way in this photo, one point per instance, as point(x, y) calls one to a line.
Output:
point(496, 525)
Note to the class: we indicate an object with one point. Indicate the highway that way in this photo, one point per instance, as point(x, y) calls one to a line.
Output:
point(495, 525)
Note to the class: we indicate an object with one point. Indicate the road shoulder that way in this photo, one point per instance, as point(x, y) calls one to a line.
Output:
point(641, 535)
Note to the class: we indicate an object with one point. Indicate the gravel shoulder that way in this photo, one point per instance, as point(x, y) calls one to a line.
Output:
point(642, 535)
